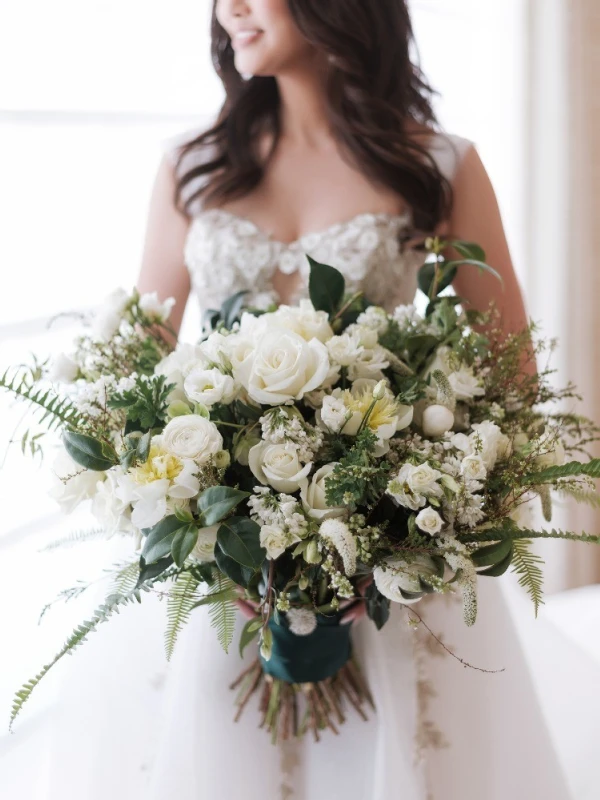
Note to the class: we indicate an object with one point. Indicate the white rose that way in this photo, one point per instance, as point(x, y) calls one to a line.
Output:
point(283, 367)
point(72, 483)
point(305, 321)
point(205, 546)
point(63, 369)
point(313, 496)
point(429, 521)
point(154, 309)
point(423, 480)
point(344, 349)
point(216, 349)
point(465, 384)
point(279, 466)
point(397, 574)
point(473, 468)
point(275, 540)
point(369, 364)
point(437, 420)
point(113, 514)
point(192, 436)
point(107, 319)
point(412, 485)
point(209, 386)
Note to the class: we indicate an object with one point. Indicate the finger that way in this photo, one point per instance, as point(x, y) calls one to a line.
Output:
point(246, 608)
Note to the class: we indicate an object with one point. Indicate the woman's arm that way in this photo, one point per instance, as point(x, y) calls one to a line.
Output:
point(476, 218)
point(163, 269)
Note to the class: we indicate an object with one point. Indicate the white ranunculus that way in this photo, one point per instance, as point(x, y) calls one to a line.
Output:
point(397, 574)
point(63, 369)
point(344, 349)
point(107, 319)
point(275, 540)
point(204, 549)
point(305, 321)
point(278, 466)
point(192, 436)
point(429, 521)
point(473, 468)
point(113, 514)
point(437, 420)
point(466, 385)
point(72, 483)
point(313, 496)
point(209, 386)
point(154, 309)
point(283, 367)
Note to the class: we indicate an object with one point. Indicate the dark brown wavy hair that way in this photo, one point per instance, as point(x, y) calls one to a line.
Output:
point(374, 88)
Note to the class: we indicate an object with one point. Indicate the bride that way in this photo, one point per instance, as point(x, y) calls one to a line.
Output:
point(327, 144)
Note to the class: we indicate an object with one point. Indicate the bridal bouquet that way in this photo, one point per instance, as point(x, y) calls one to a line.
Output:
point(304, 460)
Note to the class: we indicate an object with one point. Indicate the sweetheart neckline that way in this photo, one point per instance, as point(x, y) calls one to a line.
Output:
point(404, 218)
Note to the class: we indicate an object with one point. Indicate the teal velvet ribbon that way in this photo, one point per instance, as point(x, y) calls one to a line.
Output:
point(312, 658)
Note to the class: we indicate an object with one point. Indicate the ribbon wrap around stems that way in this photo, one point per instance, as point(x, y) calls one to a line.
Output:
point(312, 658)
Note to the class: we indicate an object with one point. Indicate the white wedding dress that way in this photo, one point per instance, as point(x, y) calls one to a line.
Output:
point(125, 725)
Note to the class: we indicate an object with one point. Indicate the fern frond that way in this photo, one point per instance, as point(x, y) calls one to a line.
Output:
point(75, 537)
point(112, 604)
point(59, 410)
point(65, 594)
point(126, 578)
point(180, 604)
point(222, 611)
point(587, 496)
point(573, 468)
point(526, 565)
point(495, 535)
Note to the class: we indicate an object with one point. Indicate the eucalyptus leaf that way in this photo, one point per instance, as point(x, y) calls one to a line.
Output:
point(217, 501)
point(86, 451)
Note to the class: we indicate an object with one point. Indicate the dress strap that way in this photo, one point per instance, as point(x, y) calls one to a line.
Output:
point(448, 150)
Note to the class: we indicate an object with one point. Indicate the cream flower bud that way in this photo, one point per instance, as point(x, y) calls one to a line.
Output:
point(437, 420)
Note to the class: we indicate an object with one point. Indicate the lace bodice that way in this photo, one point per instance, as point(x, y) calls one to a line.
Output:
point(226, 253)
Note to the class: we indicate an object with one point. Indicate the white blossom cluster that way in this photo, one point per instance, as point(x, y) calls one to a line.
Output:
point(281, 424)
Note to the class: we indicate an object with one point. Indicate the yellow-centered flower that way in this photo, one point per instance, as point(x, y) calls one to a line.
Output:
point(161, 464)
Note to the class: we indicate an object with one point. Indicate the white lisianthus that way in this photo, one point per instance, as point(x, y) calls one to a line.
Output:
point(279, 466)
point(429, 521)
point(178, 365)
point(305, 321)
point(398, 574)
point(209, 386)
point(473, 468)
point(63, 369)
point(72, 483)
point(204, 549)
point(437, 420)
point(313, 495)
point(283, 367)
point(369, 364)
point(344, 349)
point(192, 436)
point(466, 385)
point(301, 621)
point(375, 318)
point(339, 535)
point(276, 540)
point(413, 484)
point(107, 319)
point(154, 309)
point(333, 412)
point(113, 513)
point(216, 349)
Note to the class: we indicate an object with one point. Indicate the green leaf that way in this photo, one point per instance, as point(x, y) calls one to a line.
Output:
point(378, 606)
point(427, 274)
point(143, 448)
point(500, 568)
point(469, 250)
point(326, 286)
point(159, 539)
point(591, 468)
point(217, 501)
point(239, 538)
point(488, 556)
point(88, 452)
point(230, 310)
point(472, 262)
point(150, 571)
point(249, 632)
point(220, 596)
point(183, 543)
point(238, 574)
